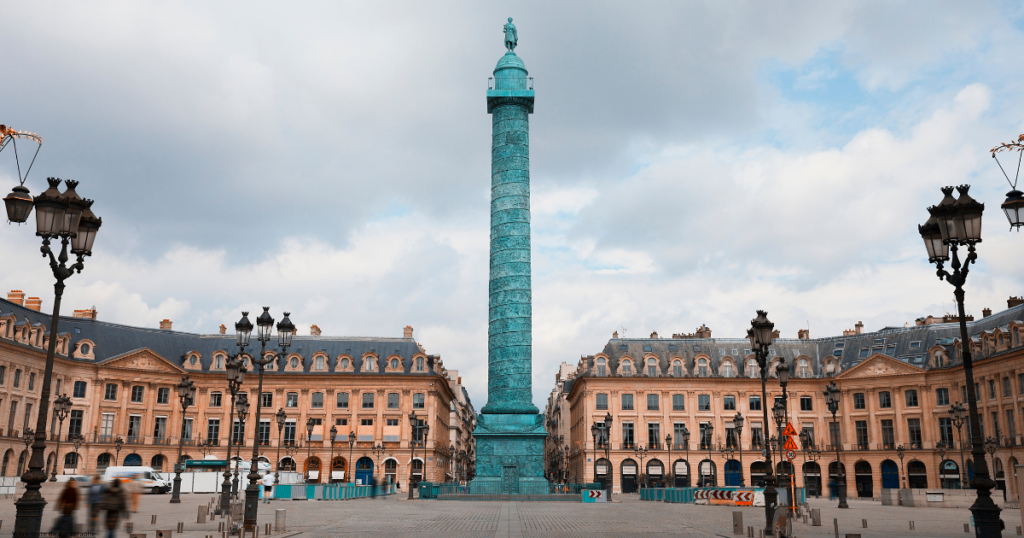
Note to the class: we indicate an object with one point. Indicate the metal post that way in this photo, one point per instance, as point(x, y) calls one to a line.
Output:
point(840, 471)
point(62, 413)
point(186, 400)
point(225, 487)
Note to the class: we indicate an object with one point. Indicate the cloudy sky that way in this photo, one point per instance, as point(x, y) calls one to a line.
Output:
point(691, 162)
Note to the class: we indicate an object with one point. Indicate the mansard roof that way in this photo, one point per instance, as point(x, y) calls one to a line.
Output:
point(910, 345)
point(112, 340)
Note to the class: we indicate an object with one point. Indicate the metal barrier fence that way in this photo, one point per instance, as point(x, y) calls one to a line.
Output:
point(689, 495)
point(330, 492)
point(495, 492)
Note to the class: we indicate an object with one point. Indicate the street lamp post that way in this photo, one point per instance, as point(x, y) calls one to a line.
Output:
point(378, 451)
point(310, 424)
point(118, 445)
point(686, 446)
point(640, 452)
point(351, 444)
point(832, 401)
point(728, 453)
point(281, 418)
point(737, 424)
point(958, 414)
point(1013, 207)
point(418, 431)
point(242, 410)
point(77, 440)
point(900, 452)
point(760, 336)
point(285, 331)
point(187, 396)
point(235, 372)
point(65, 216)
point(709, 430)
point(61, 408)
point(671, 480)
point(954, 224)
point(330, 467)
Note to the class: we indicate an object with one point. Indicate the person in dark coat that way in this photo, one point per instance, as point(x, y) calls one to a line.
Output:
point(95, 500)
point(115, 504)
point(67, 503)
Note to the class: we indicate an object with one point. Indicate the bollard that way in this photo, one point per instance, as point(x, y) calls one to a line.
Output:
point(815, 517)
point(181, 527)
point(737, 523)
point(220, 527)
point(201, 518)
point(153, 521)
point(1018, 528)
point(835, 525)
point(967, 527)
point(266, 530)
point(912, 525)
point(864, 523)
point(279, 515)
point(750, 532)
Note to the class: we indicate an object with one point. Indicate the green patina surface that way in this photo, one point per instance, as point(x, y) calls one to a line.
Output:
point(510, 431)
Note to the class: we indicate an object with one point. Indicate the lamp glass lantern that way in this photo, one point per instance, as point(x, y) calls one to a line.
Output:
point(50, 208)
point(334, 434)
point(285, 331)
point(87, 228)
point(967, 216)
point(351, 438)
point(783, 372)
point(19, 204)
point(243, 329)
point(762, 329)
point(943, 213)
point(280, 416)
point(738, 421)
point(242, 405)
point(185, 388)
point(1013, 207)
point(310, 424)
point(264, 324)
point(73, 213)
point(932, 236)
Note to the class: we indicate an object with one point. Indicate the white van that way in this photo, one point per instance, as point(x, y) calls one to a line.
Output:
point(146, 475)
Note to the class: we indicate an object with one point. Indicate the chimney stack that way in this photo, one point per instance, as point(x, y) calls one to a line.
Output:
point(18, 297)
point(165, 325)
point(34, 303)
point(859, 327)
point(1010, 303)
point(314, 330)
point(223, 329)
point(654, 334)
point(776, 334)
point(615, 334)
point(87, 313)
point(803, 334)
point(407, 333)
point(986, 312)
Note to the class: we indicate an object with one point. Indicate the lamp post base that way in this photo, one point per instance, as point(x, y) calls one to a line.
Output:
point(29, 518)
point(985, 511)
point(176, 491)
point(225, 495)
point(771, 498)
point(841, 489)
point(252, 504)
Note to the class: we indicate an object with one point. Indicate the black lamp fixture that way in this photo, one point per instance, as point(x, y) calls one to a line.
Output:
point(351, 444)
point(832, 396)
point(61, 408)
point(281, 417)
point(187, 396)
point(1013, 207)
point(234, 371)
point(761, 334)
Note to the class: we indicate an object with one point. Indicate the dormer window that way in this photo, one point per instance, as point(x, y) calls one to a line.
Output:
point(803, 368)
point(601, 369)
point(419, 364)
point(295, 362)
point(677, 368)
point(192, 360)
point(320, 363)
point(627, 368)
point(344, 364)
point(218, 362)
point(652, 368)
point(752, 368)
point(727, 369)
point(394, 364)
point(371, 364)
point(702, 367)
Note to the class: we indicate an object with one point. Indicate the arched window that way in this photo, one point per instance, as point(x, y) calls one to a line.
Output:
point(677, 368)
point(295, 362)
point(702, 367)
point(371, 364)
point(830, 368)
point(752, 368)
point(726, 370)
point(344, 364)
point(287, 464)
point(803, 368)
point(319, 363)
point(394, 364)
point(192, 360)
point(419, 364)
point(627, 368)
point(652, 368)
point(601, 368)
point(218, 362)
point(71, 460)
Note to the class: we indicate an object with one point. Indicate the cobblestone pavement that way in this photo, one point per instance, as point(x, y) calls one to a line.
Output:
point(394, 516)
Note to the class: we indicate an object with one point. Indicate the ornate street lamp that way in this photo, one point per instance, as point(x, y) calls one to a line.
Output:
point(187, 397)
point(242, 411)
point(640, 452)
point(281, 418)
point(607, 451)
point(737, 424)
point(832, 401)
point(900, 452)
point(234, 370)
point(77, 440)
point(351, 444)
point(310, 424)
point(686, 446)
point(65, 216)
point(61, 408)
point(941, 448)
point(1013, 207)
point(118, 444)
point(334, 436)
point(959, 223)
point(958, 414)
point(378, 451)
point(709, 430)
point(671, 480)
point(760, 335)
point(285, 331)
point(418, 431)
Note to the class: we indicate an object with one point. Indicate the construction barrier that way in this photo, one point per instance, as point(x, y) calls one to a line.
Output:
point(730, 496)
point(330, 492)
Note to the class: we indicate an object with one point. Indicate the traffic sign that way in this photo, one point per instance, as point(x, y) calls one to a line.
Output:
point(594, 496)
point(790, 455)
point(789, 429)
point(790, 444)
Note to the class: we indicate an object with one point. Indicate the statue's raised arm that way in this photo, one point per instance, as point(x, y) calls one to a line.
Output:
point(511, 38)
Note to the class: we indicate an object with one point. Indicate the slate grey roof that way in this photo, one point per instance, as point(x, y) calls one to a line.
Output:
point(112, 340)
point(909, 344)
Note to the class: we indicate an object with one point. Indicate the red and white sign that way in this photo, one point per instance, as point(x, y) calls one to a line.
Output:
point(790, 455)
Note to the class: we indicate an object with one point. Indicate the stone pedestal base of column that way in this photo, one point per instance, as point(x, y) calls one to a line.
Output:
point(510, 455)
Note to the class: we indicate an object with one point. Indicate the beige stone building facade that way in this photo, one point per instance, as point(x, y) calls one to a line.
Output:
point(121, 381)
point(897, 388)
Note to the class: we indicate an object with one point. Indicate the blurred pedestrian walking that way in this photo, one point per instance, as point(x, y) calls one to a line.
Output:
point(95, 499)
point(115, 505)
point(67, 503)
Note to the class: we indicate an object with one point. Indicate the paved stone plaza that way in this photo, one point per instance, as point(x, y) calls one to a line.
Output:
point(394, 516)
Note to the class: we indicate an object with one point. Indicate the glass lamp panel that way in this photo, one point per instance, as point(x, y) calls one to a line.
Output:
point(19, 204)
point(753, 340)
point(285, 331)
point(87, 228)
point(1013, 207)
point(264, 324)
point(243, 329)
